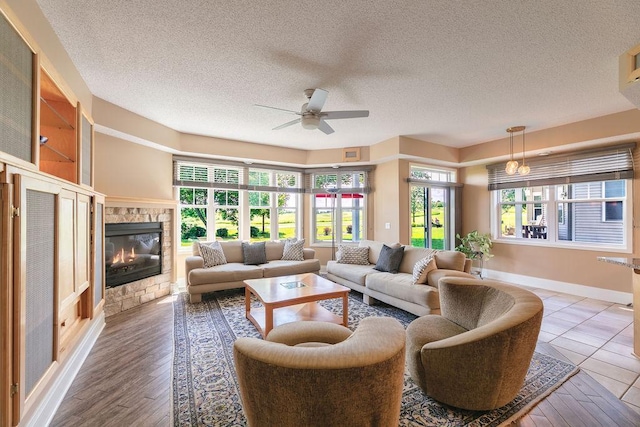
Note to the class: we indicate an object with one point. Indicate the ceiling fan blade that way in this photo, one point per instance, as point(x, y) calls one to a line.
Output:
point(292, 122)
point(324, 127)
point(275, 108)
point(330, 115)
point(317, 100)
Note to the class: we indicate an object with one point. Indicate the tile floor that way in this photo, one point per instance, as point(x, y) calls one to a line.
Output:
point(597, 336)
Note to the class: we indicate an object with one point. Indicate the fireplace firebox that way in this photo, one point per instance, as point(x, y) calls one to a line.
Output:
point(133, 251)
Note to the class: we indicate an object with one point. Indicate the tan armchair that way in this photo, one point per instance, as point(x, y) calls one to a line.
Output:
point(320, 374)
point(476, 354)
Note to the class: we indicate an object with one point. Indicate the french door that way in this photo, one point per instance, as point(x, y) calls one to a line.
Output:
point(430, 217)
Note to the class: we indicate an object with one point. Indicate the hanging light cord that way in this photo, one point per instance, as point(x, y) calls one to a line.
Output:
point(522, 147)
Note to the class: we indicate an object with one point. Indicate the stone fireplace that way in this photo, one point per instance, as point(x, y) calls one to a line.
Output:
point(159, 220)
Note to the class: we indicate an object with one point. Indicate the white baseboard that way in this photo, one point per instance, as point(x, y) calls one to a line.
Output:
point(42, 414)
point(564, 287)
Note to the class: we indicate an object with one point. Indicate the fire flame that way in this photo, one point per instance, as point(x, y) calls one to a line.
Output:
point(122, 257)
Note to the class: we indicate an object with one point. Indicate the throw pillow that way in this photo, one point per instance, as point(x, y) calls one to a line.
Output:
point(353, 255)
point(254, 253)
point(422, 268)
point(389, 259)
point(293, 250)
point(212, 254)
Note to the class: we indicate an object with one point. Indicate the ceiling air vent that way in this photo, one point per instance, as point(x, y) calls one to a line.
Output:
point(630, 75)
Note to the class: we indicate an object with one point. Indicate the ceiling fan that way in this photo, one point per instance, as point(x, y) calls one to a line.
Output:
point(311, 114)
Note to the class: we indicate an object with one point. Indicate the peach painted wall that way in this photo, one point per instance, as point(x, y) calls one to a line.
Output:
point(126, 169)
point(623, 126)
point(386, 208)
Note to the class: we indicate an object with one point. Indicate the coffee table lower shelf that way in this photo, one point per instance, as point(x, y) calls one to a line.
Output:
point(292, 313)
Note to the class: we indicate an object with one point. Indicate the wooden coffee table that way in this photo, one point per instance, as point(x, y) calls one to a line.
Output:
point(290, 298)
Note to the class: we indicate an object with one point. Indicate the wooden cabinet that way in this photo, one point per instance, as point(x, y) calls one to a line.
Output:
point(54, 298)
point(18, 77)
point(52, 235)
point(35, 306)
point(85, 148)
point(97, 249)
point(58, 131)
point(83, 242)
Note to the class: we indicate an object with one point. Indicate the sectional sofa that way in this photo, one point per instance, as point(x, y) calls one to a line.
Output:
point(232, 274)
point(399, 289)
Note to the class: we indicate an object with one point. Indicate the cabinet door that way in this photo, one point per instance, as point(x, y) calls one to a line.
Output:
point(83, 243)
point(98, 254)
point(66, 248)
point(6, 305)
point(85, 155)
point(18, 102)
point(35, 299)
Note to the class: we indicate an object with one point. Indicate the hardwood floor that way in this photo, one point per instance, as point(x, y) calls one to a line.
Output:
point(126, 381)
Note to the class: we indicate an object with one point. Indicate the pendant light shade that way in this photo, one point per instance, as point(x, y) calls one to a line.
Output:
point(512, 165)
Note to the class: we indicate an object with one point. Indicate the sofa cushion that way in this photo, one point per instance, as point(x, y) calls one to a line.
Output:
point(273, 250)
point(353, 255)
point(254, 253)
point(411, 256)
point(285, 268)
point(401, 286)
point(212, 255)
point(230, 272)
point(293, 250)
point(352, 273)
point(434, 276)
point(451, 260)
point(389, 259)
point(422, 269)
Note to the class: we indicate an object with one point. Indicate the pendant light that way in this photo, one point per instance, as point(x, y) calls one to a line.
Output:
point(512, 165)
point(523, 169)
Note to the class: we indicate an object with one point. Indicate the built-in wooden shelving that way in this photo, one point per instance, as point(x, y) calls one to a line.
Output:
point(58, 124)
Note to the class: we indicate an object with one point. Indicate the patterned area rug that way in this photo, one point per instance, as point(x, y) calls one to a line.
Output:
point(205, 388)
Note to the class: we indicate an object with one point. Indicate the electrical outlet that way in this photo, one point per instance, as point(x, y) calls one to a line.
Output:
point(387, 225)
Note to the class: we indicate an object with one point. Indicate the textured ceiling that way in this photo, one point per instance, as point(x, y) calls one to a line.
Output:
point(455, 73)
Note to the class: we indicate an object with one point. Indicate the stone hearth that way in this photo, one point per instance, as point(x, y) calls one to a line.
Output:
point(132, 294)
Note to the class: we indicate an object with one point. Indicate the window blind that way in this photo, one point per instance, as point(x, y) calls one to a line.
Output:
point(338, 182)
point(224, 175)
point(600, 164)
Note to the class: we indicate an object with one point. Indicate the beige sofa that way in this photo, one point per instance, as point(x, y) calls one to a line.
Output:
point(232, 274)
point(398, 289)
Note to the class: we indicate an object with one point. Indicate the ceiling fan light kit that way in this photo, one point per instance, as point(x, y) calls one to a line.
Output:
point(311, 115)
point(310, 121)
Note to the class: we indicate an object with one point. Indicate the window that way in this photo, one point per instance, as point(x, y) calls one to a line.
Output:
point(581, 214)
point(194, 204)
point(339, 206)
point(577, 199)
point(612, 210)
point(432, 174)
point(236, 202)
point(226, 219)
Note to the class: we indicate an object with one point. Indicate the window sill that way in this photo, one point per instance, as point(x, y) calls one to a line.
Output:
point(560, 245)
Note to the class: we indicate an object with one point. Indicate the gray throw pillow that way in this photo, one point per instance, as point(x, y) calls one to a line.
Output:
point(254, 253)
point(389, 259)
